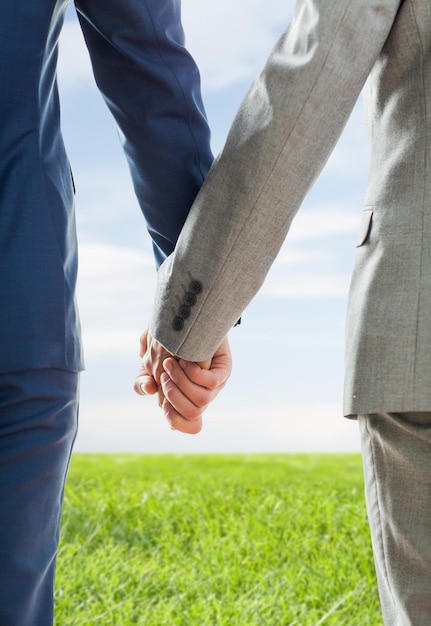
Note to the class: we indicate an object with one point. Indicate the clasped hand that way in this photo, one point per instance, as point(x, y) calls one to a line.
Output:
point(184, 388)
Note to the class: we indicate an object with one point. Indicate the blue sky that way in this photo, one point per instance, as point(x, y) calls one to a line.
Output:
point(285, 393)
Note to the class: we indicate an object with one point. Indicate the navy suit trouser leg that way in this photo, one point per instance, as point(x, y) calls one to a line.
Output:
point(38, 424)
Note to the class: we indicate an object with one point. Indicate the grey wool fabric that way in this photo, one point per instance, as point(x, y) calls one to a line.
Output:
point(281, 138)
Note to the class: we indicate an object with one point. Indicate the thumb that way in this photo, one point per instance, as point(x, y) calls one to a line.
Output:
point(204, 365)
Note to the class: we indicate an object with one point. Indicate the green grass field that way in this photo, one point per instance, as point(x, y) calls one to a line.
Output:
point(232, 540)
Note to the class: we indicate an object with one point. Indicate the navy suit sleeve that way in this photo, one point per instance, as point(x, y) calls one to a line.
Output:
point(152, 86)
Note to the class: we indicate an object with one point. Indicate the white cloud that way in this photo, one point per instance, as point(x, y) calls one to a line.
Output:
point(231, 40)
point(300, 271)
point(350, 159)
point(321, 223)
point(109, 340)
point(115, 294)
point(307, 285)
point(74, 67)
point(105, 195)
point(114, 268)
point(294, 255)
point(139, 426)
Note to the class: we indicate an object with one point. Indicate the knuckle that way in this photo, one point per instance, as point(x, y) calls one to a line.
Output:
point(173, 420)
point(213, 384)
point(168, 386)
point(146, 362)
point(137, 387)
point(141, 385)
point(194, 427)
point(186, 425)
point(201, 401)
point(194, 414)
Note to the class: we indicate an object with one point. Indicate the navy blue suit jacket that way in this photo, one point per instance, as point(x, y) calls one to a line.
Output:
point(151, 86)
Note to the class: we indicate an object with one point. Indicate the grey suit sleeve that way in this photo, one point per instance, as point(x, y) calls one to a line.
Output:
point(280, 140)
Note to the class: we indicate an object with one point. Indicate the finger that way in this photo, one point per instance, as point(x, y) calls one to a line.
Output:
point(161, 396)
point(144, 382)
point(211, 379)
point(153, 364)
point(177, 421)
point(143, 342)
point(204, 365)
point(190, 404)
point(145, 385)
point(192, 389)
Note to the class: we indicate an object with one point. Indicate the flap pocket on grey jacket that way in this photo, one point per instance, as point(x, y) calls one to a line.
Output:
point(365, 227)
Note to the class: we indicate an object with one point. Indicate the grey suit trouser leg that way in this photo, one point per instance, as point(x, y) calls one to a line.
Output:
point(396, 449)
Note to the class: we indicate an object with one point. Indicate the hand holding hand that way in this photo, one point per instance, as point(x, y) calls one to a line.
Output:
point(185, 389)
point(189, 389)
point(152, 354)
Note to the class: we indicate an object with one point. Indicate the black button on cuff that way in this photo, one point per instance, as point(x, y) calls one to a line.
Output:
point(184, 311)
point(190, 298)
point(196, 287)
point(178, 323)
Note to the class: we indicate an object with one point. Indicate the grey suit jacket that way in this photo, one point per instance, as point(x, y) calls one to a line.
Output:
point(281, 138)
